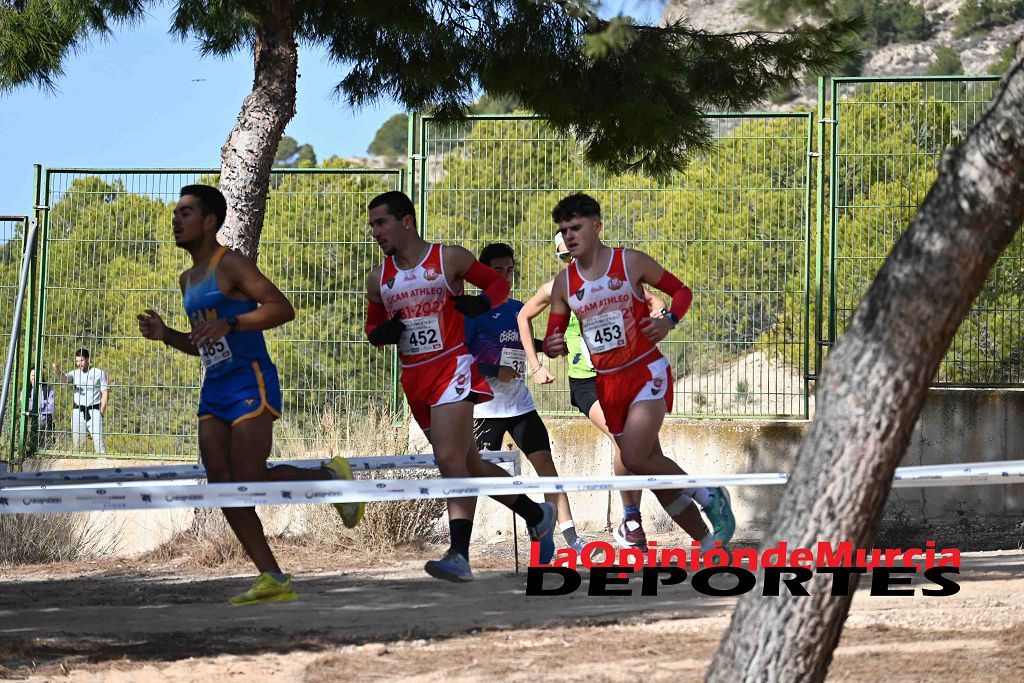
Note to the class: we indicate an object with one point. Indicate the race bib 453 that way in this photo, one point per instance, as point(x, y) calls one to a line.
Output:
point(605, 332)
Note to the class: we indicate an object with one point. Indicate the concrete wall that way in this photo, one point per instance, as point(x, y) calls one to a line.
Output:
point(955, 426)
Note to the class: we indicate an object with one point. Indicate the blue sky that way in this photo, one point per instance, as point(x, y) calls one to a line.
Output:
point(143, 99)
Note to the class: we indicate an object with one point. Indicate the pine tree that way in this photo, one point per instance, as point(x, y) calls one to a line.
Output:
point(558, 58)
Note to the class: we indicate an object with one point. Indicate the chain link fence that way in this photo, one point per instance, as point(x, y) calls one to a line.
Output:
point(734, 225)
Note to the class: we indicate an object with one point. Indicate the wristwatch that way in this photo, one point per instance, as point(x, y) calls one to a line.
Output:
point(233, 324)
point(673, 318)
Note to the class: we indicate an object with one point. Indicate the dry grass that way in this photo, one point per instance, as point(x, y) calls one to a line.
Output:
point(208, 542)
point(54, 537)
point(386, 525)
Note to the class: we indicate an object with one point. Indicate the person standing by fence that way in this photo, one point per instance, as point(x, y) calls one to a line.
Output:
point(91, 390)
point(40, 402)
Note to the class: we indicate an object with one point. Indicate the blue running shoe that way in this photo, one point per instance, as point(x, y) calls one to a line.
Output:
point(719, 513)
point(544, 533)
point(452, 567)
point(596, 554)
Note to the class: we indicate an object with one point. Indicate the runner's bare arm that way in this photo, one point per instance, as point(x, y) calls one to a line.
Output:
point(459, 265)
point(530, 310)
point(654, 303)
point(649, 272)
point(274, 308)
point(373, 285)
point(242, 277)
point(558, 319)
point(152, 326)
point(378, 328)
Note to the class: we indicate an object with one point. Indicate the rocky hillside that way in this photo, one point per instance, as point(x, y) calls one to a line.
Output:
point(978, 43)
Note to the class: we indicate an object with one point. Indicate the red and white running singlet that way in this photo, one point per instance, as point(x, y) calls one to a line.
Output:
point(433, 328)
point(610, 313)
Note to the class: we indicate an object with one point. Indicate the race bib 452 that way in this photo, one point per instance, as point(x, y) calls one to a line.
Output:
point(421, 335)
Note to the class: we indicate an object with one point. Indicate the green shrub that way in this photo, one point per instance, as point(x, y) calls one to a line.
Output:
point(946, 63)
point(978, 16)
point(888, 21)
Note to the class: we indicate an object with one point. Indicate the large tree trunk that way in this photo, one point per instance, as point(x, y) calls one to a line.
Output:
point(874, 385)
point(248, 154)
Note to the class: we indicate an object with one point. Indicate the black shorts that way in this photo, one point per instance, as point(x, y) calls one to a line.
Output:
point(583, 393)
point(527, 430)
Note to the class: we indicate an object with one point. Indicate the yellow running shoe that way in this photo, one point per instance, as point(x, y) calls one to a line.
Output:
point(351, 513)
point(267, 589)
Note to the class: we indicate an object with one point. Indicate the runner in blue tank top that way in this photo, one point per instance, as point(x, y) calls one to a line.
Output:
point(229, 303)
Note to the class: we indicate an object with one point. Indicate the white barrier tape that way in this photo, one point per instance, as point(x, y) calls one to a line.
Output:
point(117, 497)
point(181, 472)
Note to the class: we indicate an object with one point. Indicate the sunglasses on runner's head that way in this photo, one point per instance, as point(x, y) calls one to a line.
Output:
point(564, 256)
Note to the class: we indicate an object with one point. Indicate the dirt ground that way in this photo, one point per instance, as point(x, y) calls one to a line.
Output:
point(381, 617)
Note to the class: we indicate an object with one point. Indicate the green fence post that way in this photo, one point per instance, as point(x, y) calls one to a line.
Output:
point(833, 212)
point(812, 158)
point(819, 236)
point(30, 325)
point(18, 232)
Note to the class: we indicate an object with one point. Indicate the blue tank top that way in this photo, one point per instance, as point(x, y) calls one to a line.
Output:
point(204, 301)
point(489, 334)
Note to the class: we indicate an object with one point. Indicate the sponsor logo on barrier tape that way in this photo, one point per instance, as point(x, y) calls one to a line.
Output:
point(53, 500)
point(160, 473)
point(184, 499)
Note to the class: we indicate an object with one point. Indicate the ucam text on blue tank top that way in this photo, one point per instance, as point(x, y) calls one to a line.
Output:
point(204, 302)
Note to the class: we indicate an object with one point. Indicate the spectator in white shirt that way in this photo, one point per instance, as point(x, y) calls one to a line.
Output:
point(91, 390)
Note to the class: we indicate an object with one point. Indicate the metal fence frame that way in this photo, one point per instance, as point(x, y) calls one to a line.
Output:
point(10, 289)
point(838, 105)
point(43, 285)
point(421, 160)
point(822, 208)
